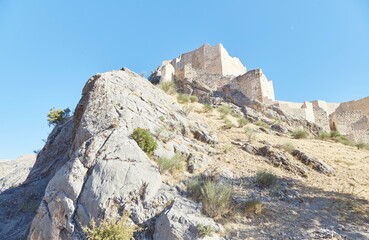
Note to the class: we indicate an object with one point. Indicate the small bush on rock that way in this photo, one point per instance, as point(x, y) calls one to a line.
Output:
point(262, 124)
point(207, 108)
point(194, 98)
point(224, 109)
point(300, 134)
point(265, 179)
point(242, 121)
point(56, 116)
point(288, 147)
point(183, 98)
point(254, 206)
point(168, 87)
point(361, 145)
point(214, 196)
point(174, 164)
point(114, 230)
point(204, 230)
point(323, 135)
point(145, 140)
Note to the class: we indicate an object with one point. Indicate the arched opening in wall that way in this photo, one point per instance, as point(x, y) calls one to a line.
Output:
point(333, 125)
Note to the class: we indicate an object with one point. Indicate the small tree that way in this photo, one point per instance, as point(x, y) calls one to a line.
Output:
point(56, 116)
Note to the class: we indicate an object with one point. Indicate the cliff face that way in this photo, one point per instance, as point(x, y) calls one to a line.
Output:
point(90, 167)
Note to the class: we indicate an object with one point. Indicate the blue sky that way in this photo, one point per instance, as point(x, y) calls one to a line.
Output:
point(311, 49)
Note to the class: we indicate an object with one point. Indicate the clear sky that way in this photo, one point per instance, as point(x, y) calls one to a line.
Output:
point(311, 49)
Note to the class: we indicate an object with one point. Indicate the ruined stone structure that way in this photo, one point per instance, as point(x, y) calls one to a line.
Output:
point(209, 71)
point(255, 85)
point(316, 111)
point(352, 119)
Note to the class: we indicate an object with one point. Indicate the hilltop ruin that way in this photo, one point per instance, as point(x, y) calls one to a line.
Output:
point(209, 71)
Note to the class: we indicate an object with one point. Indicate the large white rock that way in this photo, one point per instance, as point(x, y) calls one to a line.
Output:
point(106, 169)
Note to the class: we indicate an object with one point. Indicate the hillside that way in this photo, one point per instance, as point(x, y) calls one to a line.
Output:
point(202, 155)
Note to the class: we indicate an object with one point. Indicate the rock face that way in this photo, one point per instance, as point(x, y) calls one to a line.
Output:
point(90, 167)
point(15, 172)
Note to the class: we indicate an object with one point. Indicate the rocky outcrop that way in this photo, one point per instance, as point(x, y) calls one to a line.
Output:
point(15, 172)
point(180, 221)
point(90, 167)
point(312, 162)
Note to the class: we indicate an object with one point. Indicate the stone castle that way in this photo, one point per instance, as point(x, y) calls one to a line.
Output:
point(209, 69)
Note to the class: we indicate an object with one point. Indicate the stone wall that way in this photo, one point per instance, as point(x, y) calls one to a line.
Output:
point(352, 119)
point(255, 85)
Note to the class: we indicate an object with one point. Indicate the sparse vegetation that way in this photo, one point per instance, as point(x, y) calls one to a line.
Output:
point(254, 206)
point(173, 165)
point(236, 114)
point(361, 145)
point(168, 87)
point(262, 124)
point(288, 147)
point(323, 135)
point(242, 121)
point(215, 196)
point(204, 230)
point(224, 109)
point(265, 179)
point(110, 229)
point(194, 98)
point(187, 109)
point(183, 98)
point(56, 116)
point(207, 108)
point(299, 133)
point(145, 140)
point(228, 124)
point(250, 134)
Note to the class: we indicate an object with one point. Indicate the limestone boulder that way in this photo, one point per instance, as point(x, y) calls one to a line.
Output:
point(14, 172)
point(105, 172)
point(180, 221)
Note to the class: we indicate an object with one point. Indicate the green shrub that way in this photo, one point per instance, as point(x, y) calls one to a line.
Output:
point(361, 145)
point(288, 147)
point(194, 98)
point(207, 108)
point(187, 109)
point(262, 124)
point(183, 98)
point(194, 188)
point(265, 179)
point(254, 206)
point(168, 87)
point(216, 198)
point(56, 116)
point(242, 122)
point(204, 230)
point(334, 134)
point(250, 134)
point(113, 230)
point(344, 140)
point(228, 124)
point(236, 114)
point(174, 164)
point(299, 134)
point(224, 109)
point(145, 140)
point(323, 135)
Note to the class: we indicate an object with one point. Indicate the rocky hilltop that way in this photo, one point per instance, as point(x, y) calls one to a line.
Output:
point(229, 162)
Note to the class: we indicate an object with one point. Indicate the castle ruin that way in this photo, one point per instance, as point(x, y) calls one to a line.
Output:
point(209, 69)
